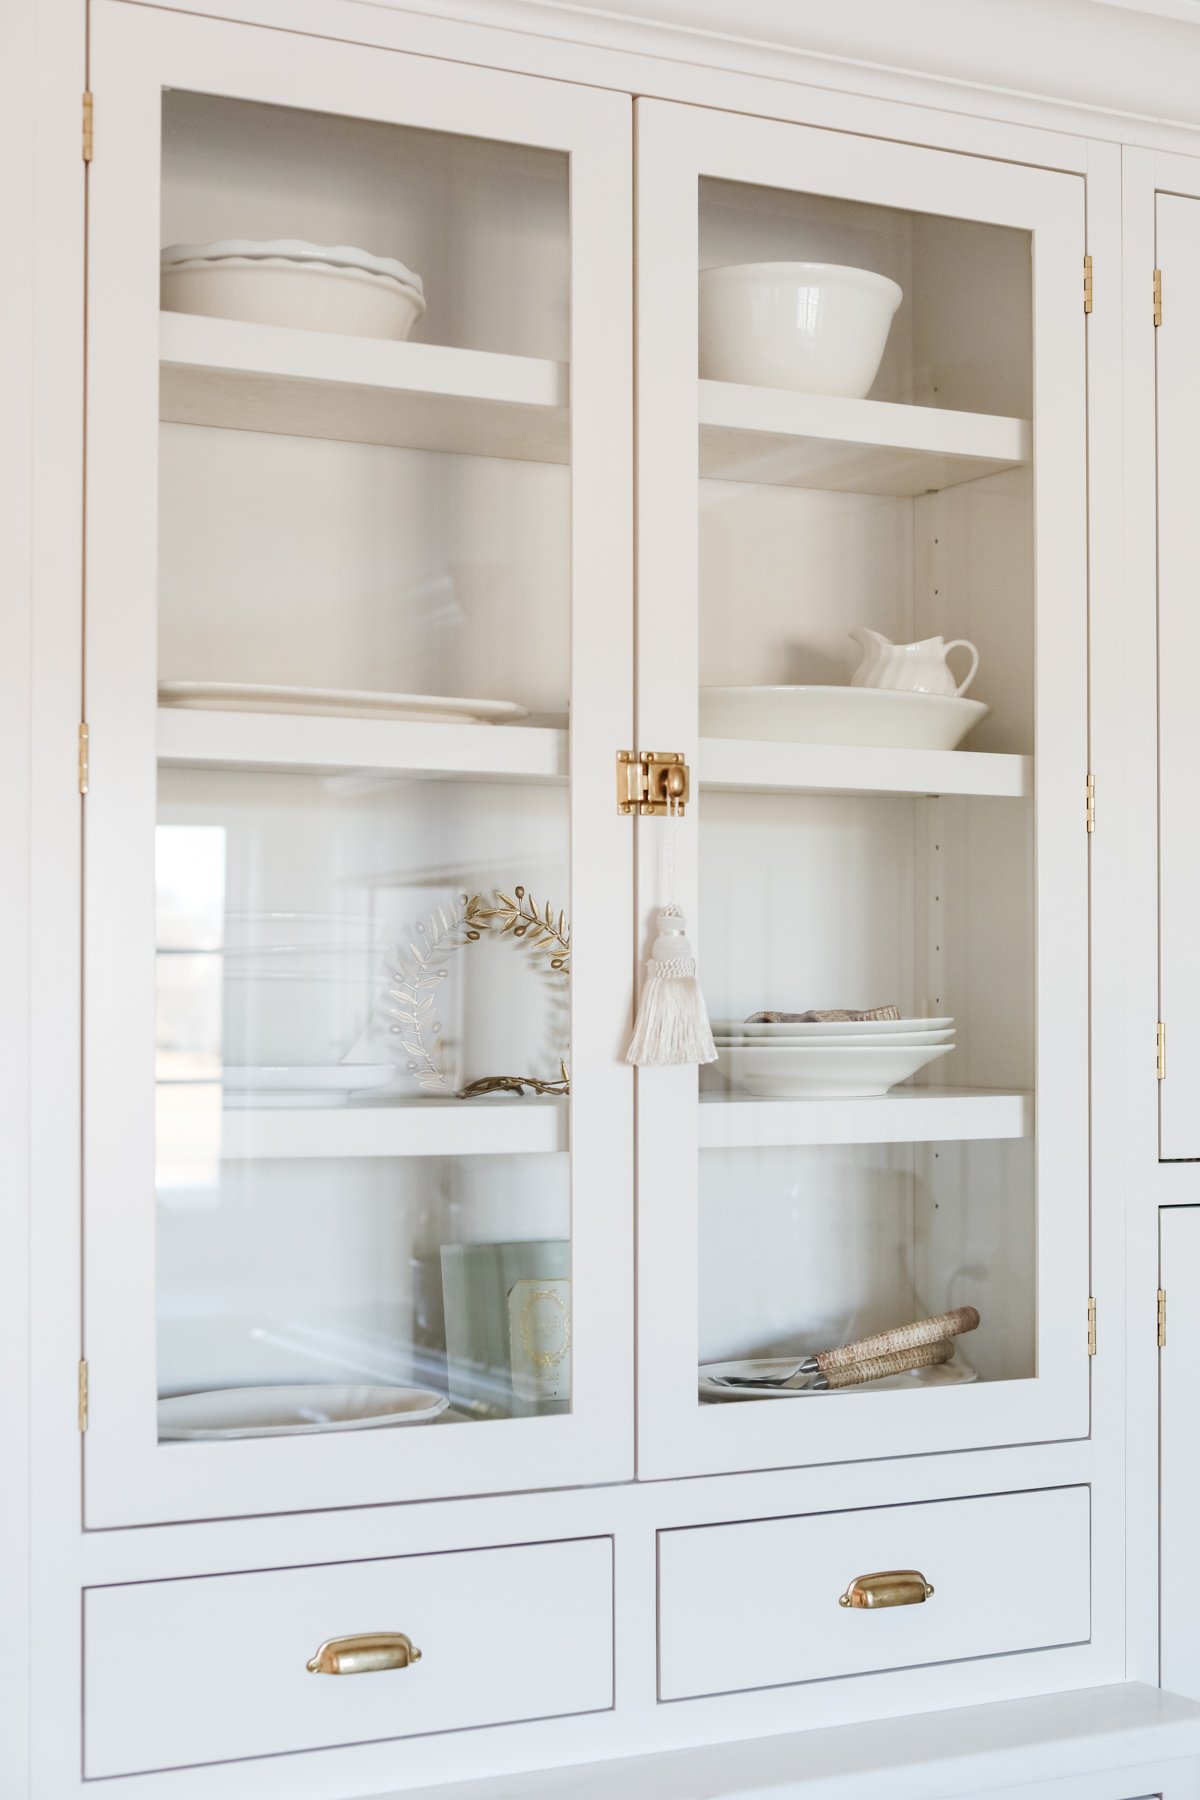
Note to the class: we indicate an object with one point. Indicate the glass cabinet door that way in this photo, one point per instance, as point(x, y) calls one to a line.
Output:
point(862, 617)
point(359, 1157)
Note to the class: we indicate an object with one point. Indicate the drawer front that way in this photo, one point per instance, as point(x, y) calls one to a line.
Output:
point(759, 1604)
point(212, 1668)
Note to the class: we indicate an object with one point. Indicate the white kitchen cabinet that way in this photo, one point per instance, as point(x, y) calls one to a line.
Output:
point(283, 506)
point(1177, 366)
point(295, 981)
point(951, 883)
point(1179, 1365)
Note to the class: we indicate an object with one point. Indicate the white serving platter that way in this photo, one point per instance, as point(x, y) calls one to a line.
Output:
point(344, 703)
point(294, 1411)
point(878, 718)
point(950, 1374)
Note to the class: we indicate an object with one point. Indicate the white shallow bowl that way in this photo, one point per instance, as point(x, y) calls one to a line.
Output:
point(824, 1071)
point(948, 1374)
point(877, 718)
point(304, 295)
point(294, 1411)
point(896, 1040)
point(818, 328)
point(831, 1028)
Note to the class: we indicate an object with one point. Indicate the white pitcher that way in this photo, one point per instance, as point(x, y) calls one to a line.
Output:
point(910, 668)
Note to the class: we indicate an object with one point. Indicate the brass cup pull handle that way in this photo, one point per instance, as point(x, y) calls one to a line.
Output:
point(892, 1587)
point(364, 1655)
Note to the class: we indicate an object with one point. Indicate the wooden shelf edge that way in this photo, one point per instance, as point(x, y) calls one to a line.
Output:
point(754, 766)
point(499, 1127)
point(198, 738)
point(905, 1115)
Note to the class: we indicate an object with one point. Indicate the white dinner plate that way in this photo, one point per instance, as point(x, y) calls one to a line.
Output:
point(342, 703)
point(896, 1040)
point(949, 1374)
point(319, 1084)
point(827, 1028)
point(295, 1411)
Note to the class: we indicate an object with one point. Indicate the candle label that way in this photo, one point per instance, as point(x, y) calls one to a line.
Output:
point(539, 1320)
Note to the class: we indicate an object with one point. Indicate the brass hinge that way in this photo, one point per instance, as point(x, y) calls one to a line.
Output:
point(1162, 1318)
point(1090, 814)
point(1087, 284)
point(1158, 296)
point(84, 762)
point(651, 781)
point(87, 126)
point(83, 1396)
point(1092, 1326)
point(1162, 1051)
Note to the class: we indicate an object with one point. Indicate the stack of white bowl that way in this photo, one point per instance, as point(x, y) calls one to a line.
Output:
point(288, 281)
point(828, 1059)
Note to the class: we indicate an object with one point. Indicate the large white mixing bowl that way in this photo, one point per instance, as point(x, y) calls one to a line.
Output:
point(818, 328)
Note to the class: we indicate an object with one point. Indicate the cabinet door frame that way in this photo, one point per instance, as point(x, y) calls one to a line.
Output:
point(677, 146)
point(129, 1478)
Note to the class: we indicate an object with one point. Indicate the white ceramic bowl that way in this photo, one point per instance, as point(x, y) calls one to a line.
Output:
point(818, 328)
point(824, 1071)
point(878, 718)
point(307, 295)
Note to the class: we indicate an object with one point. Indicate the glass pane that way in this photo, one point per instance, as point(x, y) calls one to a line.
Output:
point(867, 899)
point(364, 899)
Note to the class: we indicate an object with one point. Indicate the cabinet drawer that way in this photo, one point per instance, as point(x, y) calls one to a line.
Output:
point(211, 1668)
point(759, 1604)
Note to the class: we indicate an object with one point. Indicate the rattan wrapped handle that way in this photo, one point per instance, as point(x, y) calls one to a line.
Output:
point(874, 1368)
point(901, 1337)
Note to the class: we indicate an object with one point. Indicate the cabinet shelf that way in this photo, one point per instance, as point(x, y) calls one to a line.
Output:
point(248, 377)
point(781, 439)
point(492, 1127)
point(323, 745)
point(903, 1116)
point(748, 766)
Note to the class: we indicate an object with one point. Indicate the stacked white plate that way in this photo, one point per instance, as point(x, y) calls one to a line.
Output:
point(828, 1059)
point(287, 281)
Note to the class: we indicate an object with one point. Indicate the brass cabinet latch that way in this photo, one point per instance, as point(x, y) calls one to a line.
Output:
point(88, 128)
point(650, 781)
point(1088, 289)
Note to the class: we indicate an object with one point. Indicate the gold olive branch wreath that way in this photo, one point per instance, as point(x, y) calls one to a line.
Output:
point(422, 967)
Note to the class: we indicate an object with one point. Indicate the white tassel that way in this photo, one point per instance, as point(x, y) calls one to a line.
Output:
point(672, 1023)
